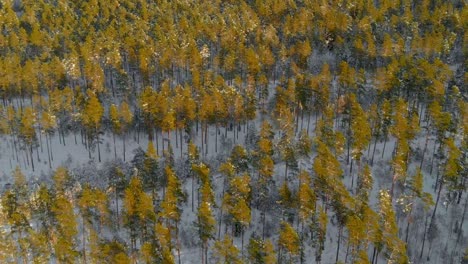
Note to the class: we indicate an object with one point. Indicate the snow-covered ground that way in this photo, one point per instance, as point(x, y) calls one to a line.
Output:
point(73, 154)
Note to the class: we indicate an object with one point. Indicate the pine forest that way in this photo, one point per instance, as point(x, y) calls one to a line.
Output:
point(233, 131)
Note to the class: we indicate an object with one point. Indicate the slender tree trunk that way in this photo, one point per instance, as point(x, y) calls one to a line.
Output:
point(178, 243)
point(263, 223)
point(347, 253)
point(384, 145)
point(234, 134)
point(202, 142)
point(424, 237)
point(279, 256)
point(340, 230)
point(424, 151)
point(176, 138)
point(123, 146)
point(436, 204)
point(32, 159)
point(432, 219)
point(203, 253)
point(40, 140)
point(286, 172)
point(433, 157)
point(84, 240)
point(169, 140)
point(48, 151)
point(461, 224)
point(15, 152)
point(138, 135)
point(373, 254)
point(87, 144)
point(352, 175)
point(348, 147)
point(37, 154)
point(242, 241)
point(301, 258)
point(51, 152)
point(115, 148)
point(370, 143)
point(221, 210)
point(181, 144)
point(206, 253)
point(460, 192)
point(63, 138)
point(26, 153)
point(157, 143)
point(162, 141)
point(192, 192)
point(302, 119)
point(117, 207)
point(98, 146)
point(408, 225)
point(206, 138)
point(373, 152)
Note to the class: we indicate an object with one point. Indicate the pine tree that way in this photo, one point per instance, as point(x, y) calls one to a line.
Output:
point(321, 233)
point(306, 198)
point(126, 118)
point(42, 211)
point(364, 184)
point(27, 130)
point(196, 169)
point(289, 241)
point(48, 123)
point(66, 227)
point(116, 126)
point(206, 222)
point(225, 251)
point(113, 252)
point(92, 114)
point(139, 211)
point(7, 243)
point(260, 251)
point(395, 248)
point(149, 171)
point(171, 205)
point(360, 134)
point(91, 200)
point(163, 238)
point(239, 159)
point(15, 209)
point(236, 202)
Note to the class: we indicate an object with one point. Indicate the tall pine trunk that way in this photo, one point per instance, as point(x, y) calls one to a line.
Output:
point(123, 146)
point(373, 152)
point(48, 150)
point(432, 219)
point(32, 158)
point(340, 231)
point(115, 148)
point(98, 145)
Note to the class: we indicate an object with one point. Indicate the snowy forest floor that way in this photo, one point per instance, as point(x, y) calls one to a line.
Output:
point(441, 247)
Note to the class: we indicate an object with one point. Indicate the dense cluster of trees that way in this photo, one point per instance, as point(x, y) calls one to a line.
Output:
point(330, 82)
